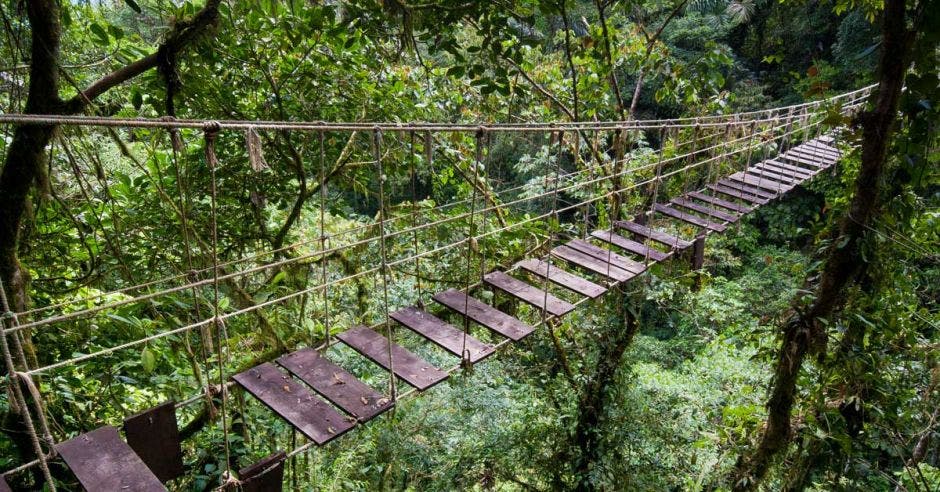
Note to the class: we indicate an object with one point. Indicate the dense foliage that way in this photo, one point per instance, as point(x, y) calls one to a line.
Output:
point(659, 385)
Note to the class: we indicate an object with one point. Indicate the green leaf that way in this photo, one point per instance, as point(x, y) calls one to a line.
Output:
point(148, 360)
point(100, 33)
point(137, 100)
point(133, 5)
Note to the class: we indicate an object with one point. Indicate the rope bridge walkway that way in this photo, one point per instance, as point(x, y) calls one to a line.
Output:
point(720, 169)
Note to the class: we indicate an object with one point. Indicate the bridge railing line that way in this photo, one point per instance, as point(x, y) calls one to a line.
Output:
point(369, 271)
point(18, 118)
point(363, 242)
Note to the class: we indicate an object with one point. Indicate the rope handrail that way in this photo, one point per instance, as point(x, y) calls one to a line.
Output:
point(362, 242)
point(359, 274)
point(735, 118)
point(753, 134)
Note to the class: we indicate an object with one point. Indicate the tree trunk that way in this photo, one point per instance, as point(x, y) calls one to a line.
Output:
point(26, 155)
point(805, 332)
point(593, 400)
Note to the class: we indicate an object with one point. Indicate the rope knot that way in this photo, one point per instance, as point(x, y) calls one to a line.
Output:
point(8, 315)
point(211, 128)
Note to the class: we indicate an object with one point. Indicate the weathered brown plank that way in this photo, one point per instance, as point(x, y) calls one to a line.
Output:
point(294, 403)
point(655, 235)
point(691, 219)
point(778, 174)
point(406, 365)
point(827, 139)
point(828, 148)
point(588, 262)
point(103, 462)
point(821, 159)
point(822, 152)
point(746, 188)
point(561, 277)
point(4, 487)
point(484, 314)
point(606, 255)
point(525, 292)
point(154, 435)
point(795, 158)
point(702, 209)
point(718, 202)
point(335, 384)
point(632, 246)
point(446, 335)
point(795, 170)
point(734, 193)
point(761, 183)
point(267, 475)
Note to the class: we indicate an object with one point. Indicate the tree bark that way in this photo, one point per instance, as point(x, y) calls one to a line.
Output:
point(806, 332)
point(26, 155)
point(594, 400)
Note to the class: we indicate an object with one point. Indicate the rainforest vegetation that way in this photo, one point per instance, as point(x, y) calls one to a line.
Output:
point(801, 352)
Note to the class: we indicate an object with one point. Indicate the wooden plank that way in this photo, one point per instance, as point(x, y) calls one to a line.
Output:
point(294, 403)
point(825, 139)
point(776, 169)
point(724, 190)
point(751, 190)
point(796, 170)
point(761, 183)
point(525, 292)
point(795, 158)
point(154, 435)
point(606, 255)
point(267, 475)
point(590, 263)
point(825, 146)
point(484, 314)
point(766, 174)
point(561, 277)
point(655, 235)
point(446, 335)
point(406, 365)
point(103, 462)
point(702, 209)
point(632, 246)
point(335, 384)
point(4, 487)
point(822, 160)
point(718, 202)
point(686, 217)
point(816, 150)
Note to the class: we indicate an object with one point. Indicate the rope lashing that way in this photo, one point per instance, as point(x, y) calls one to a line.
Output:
point(19, 397)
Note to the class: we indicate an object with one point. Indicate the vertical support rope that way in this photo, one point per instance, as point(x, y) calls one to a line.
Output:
point(323, 242)
point(18, 395)
point(553, 227)
point(205, 338)
point(377, 151)
point(663, 135)
point(478, 158)
point(210, 133)
point(414, 218)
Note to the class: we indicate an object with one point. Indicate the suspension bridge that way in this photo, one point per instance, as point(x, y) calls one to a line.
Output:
point(606, 220)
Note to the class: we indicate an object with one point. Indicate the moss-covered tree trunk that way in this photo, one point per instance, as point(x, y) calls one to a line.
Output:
point(806, 332)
